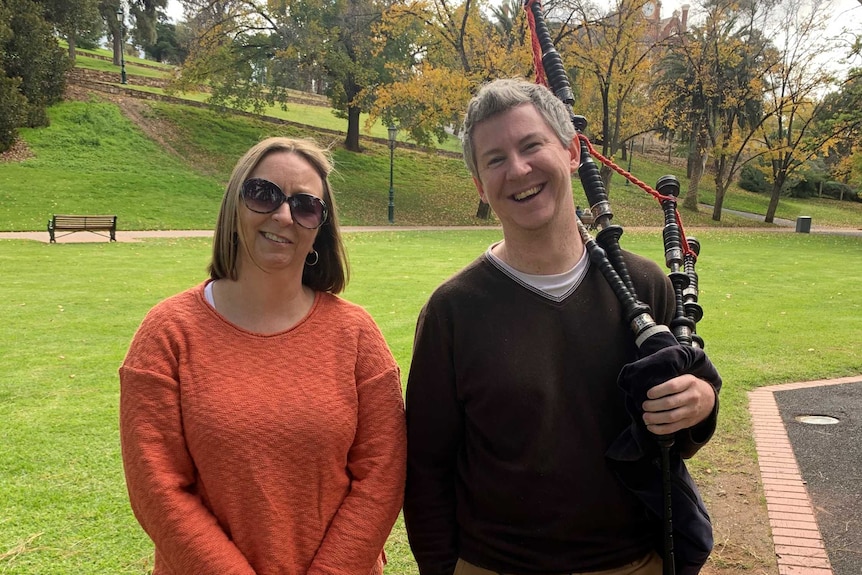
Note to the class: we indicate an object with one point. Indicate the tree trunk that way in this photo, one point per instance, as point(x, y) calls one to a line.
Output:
point(779, 176)
point(773, 202)
point(71, 41)
point(697, 166)
point(118, 46)
point(352, 140)
point(720, 190)
point(722, 182)
point(693, 156)
point(606, 174)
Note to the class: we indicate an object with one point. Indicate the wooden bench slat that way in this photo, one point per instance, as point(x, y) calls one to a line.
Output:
point(82, 223)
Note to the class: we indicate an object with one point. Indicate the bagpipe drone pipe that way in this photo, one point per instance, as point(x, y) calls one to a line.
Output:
point(646, 464)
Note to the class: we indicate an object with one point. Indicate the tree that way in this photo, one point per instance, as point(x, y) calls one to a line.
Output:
point(109, 9)
point(613, 55)
point(712, 83)
point(143, 15)
point(794, 98)
point(167, 47)
point(685, 115)
point(12, 111)
point(841, 115)
point(12, 102)
point(231, 56)
point(33, 60)
point(241, 49)
point(509, 23)
point(348, 60)
point(74, 19)
point(452, 49)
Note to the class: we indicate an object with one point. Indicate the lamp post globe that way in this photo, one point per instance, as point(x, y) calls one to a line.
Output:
point(121, 20)
point(393, 131)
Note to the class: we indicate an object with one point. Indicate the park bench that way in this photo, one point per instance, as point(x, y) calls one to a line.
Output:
point(588, 220)
point(74, 223)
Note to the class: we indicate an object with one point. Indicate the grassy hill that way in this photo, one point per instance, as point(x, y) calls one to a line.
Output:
point(162, 165)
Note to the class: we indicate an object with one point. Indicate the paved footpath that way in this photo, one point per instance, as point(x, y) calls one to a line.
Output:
point(811, 470)
point(135, 236)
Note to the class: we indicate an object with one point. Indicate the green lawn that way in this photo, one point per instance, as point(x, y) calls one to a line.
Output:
point(85, 55)
point(92, 159)
point(318, 116)
point(778, 308)
point(132, 68)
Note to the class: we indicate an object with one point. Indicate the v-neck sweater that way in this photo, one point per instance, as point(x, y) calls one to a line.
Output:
point(512, 402)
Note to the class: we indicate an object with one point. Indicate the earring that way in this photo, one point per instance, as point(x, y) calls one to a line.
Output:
point(315, 256)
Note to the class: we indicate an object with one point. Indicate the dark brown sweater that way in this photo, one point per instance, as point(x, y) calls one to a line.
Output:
point(511, 404)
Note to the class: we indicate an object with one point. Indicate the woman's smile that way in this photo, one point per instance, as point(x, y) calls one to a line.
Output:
point(275, 238)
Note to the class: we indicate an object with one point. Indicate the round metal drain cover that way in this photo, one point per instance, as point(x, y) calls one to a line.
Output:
point(816, 419)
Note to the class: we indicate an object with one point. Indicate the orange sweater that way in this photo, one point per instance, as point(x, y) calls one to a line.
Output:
point(248, 454)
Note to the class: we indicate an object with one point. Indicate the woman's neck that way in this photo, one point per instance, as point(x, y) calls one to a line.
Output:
point(263, 305)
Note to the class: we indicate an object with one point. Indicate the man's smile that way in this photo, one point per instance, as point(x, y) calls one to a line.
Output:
point(527, 193)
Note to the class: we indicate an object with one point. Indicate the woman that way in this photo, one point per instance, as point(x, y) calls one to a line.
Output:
point(261, 417)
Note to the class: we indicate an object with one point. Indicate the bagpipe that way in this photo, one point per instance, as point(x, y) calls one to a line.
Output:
point(646, 464)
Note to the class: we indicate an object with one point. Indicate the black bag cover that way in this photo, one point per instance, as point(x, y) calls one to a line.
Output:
point(634, 455)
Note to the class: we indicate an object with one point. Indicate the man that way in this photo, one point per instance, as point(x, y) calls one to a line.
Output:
point(512, 398)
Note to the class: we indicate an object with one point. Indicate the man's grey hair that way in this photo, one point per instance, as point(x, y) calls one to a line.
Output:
point(501, 95)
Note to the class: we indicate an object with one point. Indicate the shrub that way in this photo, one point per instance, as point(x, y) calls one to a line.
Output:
point(802, 186)
point(838, 191)
point(808, 186)
point(13, 108)
point(753, 180)
point(32, 68)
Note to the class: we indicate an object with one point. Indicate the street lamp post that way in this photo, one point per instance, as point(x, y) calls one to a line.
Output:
point(121, 19)
point(393, 131)
point(631, 153)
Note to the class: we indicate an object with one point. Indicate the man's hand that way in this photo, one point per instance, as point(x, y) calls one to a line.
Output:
point(678, 404)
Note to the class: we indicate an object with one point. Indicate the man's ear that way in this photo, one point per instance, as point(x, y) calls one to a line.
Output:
point(480, 189)
point(575, 154)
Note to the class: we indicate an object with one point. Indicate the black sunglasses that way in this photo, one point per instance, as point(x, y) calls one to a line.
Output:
point(264, 197)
